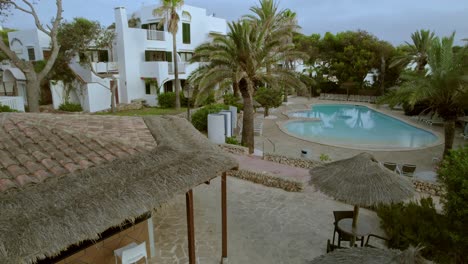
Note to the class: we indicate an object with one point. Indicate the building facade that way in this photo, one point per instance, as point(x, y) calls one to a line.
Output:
point(145, 58)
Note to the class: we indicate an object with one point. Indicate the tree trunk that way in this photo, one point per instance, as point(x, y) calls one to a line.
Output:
point(32, 91)
point(382, 75)
point(449, 135)
point(176, 72)
point(235, 89)
point(248, 119)
point(285, 99)
point(112, 89)
point(266, 111)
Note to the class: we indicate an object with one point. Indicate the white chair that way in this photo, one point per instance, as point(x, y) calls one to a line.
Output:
point(131, 253)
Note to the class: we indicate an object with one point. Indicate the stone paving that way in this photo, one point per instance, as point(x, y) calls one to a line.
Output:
point(265, 225)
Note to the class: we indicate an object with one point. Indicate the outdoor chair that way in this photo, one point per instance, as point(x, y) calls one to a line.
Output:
point(390, 165)
point(376, 236)
point(406, 170)
point(342, 236)
point(331, 247)
point(131, 253)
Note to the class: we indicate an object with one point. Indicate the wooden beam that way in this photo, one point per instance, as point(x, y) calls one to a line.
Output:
point(224, 215)
point(190, 226)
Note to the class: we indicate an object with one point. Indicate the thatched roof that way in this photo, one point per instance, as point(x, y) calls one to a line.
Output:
point(367, 255)
point(44, 217)
point(361, 181)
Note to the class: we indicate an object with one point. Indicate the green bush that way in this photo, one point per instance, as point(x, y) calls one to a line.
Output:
point(269, 98)
point(230, 99)
point(167, 100)
point(6, 108)
point(324, 157)
point(200, 118)
point(417, 224)
point(232, 141)
point(453, 174)
point(70, 107)
point(210, 99)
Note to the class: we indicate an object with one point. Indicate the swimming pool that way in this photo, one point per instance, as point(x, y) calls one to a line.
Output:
point(357, 126)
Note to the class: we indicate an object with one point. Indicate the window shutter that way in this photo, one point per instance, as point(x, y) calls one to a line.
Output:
point(186, 33)
point(168, 56)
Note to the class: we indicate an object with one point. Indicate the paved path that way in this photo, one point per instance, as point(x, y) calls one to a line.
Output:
point(265, 225)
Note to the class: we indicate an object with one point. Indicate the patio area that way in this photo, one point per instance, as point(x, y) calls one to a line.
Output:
point(265, 225)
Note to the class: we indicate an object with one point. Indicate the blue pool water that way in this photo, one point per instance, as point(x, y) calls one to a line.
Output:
point(358, 126)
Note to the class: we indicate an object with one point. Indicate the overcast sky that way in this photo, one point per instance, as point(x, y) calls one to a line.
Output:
point(391, 20)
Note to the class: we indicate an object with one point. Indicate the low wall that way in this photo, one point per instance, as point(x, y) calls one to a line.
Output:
point(234, 149)
point(293, 162)
point(267, 180)
point(131, 106)
point(428, 187)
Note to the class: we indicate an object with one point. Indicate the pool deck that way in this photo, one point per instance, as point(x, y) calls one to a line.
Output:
point(287, 145)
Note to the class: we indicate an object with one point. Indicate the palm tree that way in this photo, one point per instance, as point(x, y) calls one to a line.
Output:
point(242, 57)
point(417, 52)
point(168, 11)
point(444, 86)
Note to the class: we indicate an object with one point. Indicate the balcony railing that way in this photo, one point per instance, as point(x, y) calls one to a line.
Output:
point(181, 68)
point(101, 67)
point(155, 35)
point(14, 102)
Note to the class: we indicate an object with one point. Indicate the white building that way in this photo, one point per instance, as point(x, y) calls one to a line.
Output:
point(30, 45)
point(146, 52)
point(138, 55)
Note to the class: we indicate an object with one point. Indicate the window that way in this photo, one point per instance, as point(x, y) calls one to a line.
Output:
point(103, 56)
point(185, 56)
point(46, 54)
point(31, 54)
point(148, 87)
point(153, 26)
point(153, 55)
point(186, 33)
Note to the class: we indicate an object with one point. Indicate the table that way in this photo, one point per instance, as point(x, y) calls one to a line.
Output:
point(346, 226)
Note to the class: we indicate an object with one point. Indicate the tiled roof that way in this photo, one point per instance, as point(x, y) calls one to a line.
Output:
point(36, 147)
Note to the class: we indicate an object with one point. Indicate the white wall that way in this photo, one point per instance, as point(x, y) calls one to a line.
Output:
point(99, 98)
point(31, 38)
point(132, 44)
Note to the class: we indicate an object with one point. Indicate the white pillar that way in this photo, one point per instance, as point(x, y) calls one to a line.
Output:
point(121, 30)
point(227, 122)
point(216, 128)
point(151, 237)
point(233, 110)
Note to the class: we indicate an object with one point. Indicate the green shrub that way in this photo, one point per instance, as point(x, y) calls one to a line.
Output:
point(6, 108)
point(167, 100)
point(269, 98)
point(324, 157)
point(418, 224)
point(200, 118)
point(453, 174)
point(232, 141)
point(70, 107)
point(230, 99)
point(210, 99)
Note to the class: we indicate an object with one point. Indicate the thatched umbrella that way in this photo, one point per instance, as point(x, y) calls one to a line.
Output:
point(361, 181)
point(369, 255)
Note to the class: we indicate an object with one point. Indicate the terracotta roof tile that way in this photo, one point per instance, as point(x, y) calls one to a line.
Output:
point(34, 147)
point(6, 184)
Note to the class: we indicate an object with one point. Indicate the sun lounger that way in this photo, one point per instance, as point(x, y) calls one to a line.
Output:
point(390, 165)
point(406, 170)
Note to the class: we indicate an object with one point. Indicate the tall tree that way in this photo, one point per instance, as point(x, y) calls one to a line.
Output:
point(33, 78)
point(444, 86)
point(168, 11)
point(416, 52)
point(246, 52)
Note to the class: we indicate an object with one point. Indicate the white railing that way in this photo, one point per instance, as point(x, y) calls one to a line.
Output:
point(14, 102)
point(155, 35)
point(101, 67)
point(181, 68)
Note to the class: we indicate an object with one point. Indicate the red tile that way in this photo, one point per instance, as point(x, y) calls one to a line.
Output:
point(6, 184)
point(16, 170)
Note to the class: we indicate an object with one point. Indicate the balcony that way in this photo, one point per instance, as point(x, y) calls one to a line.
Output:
point(104, 67)
point(181, 69)
point(155, 35)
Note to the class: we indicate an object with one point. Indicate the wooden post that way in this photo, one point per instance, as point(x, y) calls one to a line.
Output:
point(190, 226)
point(224, 216)
point(353, 226)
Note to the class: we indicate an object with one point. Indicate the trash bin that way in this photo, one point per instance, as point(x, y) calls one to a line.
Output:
point(305, 153)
